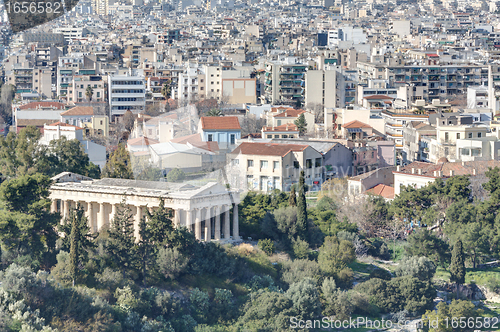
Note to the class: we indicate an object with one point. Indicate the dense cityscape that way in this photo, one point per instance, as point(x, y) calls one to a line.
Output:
point(223, 165)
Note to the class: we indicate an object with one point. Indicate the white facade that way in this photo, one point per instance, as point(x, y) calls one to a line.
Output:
point(126, 92)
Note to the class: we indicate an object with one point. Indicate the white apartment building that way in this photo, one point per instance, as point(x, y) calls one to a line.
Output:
point(126, 92)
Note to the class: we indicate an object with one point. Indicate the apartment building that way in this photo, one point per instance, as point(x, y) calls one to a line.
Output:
point(429, 81)
point(77, 89)
point(394, 123)
point(126, 92)
point(284, 82)
point(267, 166)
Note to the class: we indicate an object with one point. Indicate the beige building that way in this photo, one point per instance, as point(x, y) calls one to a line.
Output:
point(321, 88)
point(444, 145)
point(78, 87)
point(203, 210)
point(267, 166)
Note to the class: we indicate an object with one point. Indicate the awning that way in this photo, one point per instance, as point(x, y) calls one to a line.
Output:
point(354, 130)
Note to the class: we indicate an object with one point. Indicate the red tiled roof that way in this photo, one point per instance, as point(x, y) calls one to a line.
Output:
point(79, 110)
point(142, 141)
point(374, 97)
point(382, 190)
point(62, 124)
point(268, 149)
point(356, 124)
point(220, 123)
point(290, 113)
point(42, 104)
point(284, 127)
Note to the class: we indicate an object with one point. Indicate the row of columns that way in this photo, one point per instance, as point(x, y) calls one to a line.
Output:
point(209, 217)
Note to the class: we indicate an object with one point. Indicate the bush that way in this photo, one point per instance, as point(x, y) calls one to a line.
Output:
point(61, 271)
point(267, 246)
point(258, 282)
point(199, 304)
point(381, 274)
point(419, 267)
point(299, 269)
point(171, 263)
point(300, 248)
point(176, 175)
point(111, 279)
point(334, 255)
point(493, 284)
point(305, 298)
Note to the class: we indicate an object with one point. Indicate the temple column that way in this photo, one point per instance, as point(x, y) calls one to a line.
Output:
point(197, 225)
point(208, 226)
point(236, 229)
point(189, 220)
point(227, 225)
point(217, 223)
point(114, 207)
point(53, 206)
point(177, 219)
point(138, 217)
point(102, 217)
point(65, 209)
point(90, 216)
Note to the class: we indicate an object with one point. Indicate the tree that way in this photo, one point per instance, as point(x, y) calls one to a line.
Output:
point(334, 255)
point(26, 224)
point(78, 239)
point(302, 221)
point(118, 165)
point(128, 120)
point(301, 124)
point(121, 243)
point(171, 262)
point(166, 89)
point(422, 242)
point(457, 266)
point(305, 298)
point(215, 112)
point(293, 197)
point(418, 267)
point(176, 175)
point(89, 92)
point(69, 156)
point(441, 320)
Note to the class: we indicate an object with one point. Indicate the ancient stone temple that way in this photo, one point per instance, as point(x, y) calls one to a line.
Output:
point(205, 210)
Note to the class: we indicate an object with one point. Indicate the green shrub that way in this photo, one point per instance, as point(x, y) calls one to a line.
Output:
point(300, 248)
point(381, 274)
point(267, 246)
point(171, 263)
point(305, 298)
point(419, 267)
point(299, 269)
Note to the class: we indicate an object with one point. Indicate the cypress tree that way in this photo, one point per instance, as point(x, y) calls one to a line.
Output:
point(293, 197)
point(302, 209)
point(74, 248)
point(457, 266)
point(121, 243)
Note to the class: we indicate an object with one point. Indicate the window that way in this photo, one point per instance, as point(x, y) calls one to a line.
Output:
point(373, 154)
point(276, 136)
point(279, 122)
point(263, 164)
point(269, 136)
point(458, 135)
point(98, 94)
point(446, 137)
point(150, 132)
point(339, 127)
point(479, 134)
point(235, 162)
point(250, 181)
point(276, 164)
point(250, 163)
point(101, 122)
point(318, 162)
point(470, 135)
point(308, 163)
point(210, 137)
point(233, 139)
point(296, 164)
